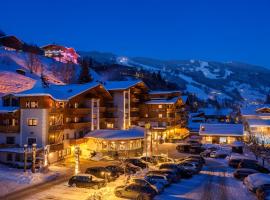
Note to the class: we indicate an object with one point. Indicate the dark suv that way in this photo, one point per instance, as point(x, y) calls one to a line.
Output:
point(102, 172)
point(86, 181)
point(137, 162)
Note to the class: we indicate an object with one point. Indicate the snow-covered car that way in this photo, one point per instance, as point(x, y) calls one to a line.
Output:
point(143, 182)
point(241, 173)
point(263, 192)
point(135, 191)
point(254, 181)
point(158, 178)
point(218, 154)
point(190, 166)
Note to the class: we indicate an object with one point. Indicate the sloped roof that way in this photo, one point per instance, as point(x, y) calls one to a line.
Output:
point(112, 134)
point(8, 109)
point(163, 101)
point(184, 98)
point(121, 85)
point(59, 92)
point(163, 91)
point(221, 129)
point(258, 122)
point(253, 110)
point(218, 112)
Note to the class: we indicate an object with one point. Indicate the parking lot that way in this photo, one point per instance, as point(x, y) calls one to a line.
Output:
point(215, 181)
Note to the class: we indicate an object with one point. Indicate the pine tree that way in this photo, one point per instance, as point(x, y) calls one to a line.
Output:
point(44, 81)
point(85, 76)
point(267, 101)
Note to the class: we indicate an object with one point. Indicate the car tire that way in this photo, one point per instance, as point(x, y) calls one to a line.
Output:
point(118, 194)
point(73, 185)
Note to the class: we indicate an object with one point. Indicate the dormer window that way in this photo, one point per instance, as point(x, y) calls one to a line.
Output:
point(31, 104)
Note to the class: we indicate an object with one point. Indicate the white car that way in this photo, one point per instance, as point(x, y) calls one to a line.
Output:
point(158, 179)
point(190, 166)
point(254, 181)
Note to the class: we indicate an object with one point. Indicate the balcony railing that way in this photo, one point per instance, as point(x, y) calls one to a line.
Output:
point(9, 129)
point(77, 125)
point(80, 111)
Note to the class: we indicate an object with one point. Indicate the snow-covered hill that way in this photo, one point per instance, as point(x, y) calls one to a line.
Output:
point(233, 81)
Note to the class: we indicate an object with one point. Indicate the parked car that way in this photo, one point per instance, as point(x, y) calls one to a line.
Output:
point(199, 157)
point(142, 181)
point(234, 160)
point(218, 154)
point(135, 191)
point(206, 153)
point(197, 163)
point(86, 181)
point(137, 162)
point(181, 172)
point(263, 192)
point(183, 147)
point(115, 169)
point(242, 173)
point(253, 165)
point(190, 166)
point(254, 181)
point(171, 175)
point(102, 172)
point(157, 178)
point(162, 159)
point(148, 159)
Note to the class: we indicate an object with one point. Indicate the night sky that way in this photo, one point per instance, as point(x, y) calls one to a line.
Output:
point(220, 30)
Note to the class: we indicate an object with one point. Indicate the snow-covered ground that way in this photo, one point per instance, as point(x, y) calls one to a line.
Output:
point(12, 179)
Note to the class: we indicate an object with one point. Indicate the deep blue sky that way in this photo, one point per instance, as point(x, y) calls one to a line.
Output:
point(222, 30)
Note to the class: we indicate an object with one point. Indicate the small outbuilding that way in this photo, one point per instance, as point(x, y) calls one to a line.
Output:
point(221, 133)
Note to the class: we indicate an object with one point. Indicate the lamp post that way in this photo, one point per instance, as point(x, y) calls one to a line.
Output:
point(146, 134)
point(34, 149)
point(46, 152)
point(25, 156)
point(77, 159)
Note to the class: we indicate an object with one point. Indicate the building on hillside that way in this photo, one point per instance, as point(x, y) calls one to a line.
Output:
point(124, 109)
point(166, 114)
point(256, 120)
point(221, 133)
point(213, 115)
point(61, 53)
point(11, 43)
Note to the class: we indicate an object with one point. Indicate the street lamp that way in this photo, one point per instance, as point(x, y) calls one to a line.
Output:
point(77, 159)
point(46, 152)
point(146, 134)
point(34, 149)
point(25, 156)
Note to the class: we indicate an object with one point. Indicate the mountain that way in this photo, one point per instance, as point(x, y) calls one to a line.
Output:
point(221, 81)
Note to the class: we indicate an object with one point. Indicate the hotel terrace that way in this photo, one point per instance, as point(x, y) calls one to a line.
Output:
point(98, 118)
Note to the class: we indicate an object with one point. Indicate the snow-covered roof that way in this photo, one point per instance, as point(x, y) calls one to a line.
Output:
point(163, 101)
point(217, 112)
point(59, 92)
point(163, 91)
point(254, 110)
point(121, 85)
point(221, 129)
point(184, 98)
point(8, 109)
point(258, 122)
point(111, 134)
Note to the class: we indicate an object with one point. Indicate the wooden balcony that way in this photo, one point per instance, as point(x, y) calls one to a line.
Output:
point(102, 109)
point(9, 129)
point(80, 111)
point(78, 125)
point(57, 110)
point(56, 147)
point(134, 109)
point(56, 127)
point(77, 141)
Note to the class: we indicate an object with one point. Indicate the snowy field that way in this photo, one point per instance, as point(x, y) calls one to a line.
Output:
point(12, 179)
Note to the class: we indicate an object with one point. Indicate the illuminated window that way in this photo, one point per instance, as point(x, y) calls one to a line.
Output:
point(159, 106)
point(146, 115)
point(159, 115)
point(110, 125)
point(76, 105)
point(32, 122)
